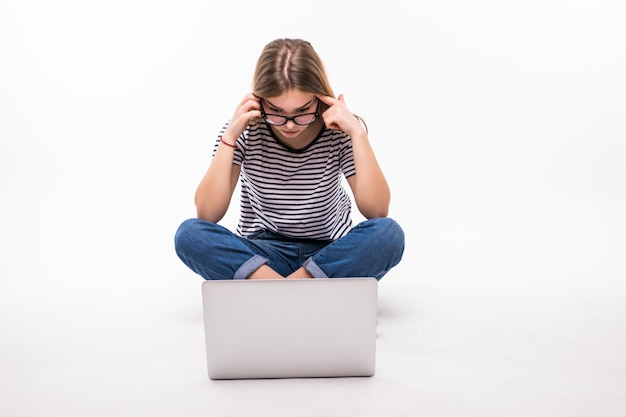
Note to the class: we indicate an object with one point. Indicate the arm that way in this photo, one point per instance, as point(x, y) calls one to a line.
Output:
point(214, 193)
point(368, 184)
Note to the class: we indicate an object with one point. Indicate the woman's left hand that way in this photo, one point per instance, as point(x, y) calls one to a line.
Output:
point(338, 116)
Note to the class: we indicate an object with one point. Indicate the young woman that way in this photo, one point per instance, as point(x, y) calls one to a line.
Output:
point(289, 142)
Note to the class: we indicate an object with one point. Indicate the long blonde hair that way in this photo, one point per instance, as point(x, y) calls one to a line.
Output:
point(288, 64)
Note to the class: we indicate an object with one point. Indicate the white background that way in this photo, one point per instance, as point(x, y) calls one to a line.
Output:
point(501, 129)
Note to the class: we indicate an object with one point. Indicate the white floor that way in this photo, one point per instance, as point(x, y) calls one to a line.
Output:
point(523, 320)
point(506, 159)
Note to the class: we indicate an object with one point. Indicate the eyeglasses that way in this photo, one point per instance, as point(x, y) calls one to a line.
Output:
point(301, 119)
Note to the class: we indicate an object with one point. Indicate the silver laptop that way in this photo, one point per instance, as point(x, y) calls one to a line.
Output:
point(290, 328)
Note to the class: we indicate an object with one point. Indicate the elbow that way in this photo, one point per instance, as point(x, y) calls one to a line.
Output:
point(374, 211)
point(375, 214)
point(208, 212)
point(208, 215)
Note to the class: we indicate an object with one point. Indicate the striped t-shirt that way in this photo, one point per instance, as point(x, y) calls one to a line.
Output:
point(294, 193)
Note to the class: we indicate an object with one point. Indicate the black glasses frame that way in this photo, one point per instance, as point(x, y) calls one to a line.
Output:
point(292, 118)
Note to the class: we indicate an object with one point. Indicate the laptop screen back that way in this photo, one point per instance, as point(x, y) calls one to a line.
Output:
point(290, 328)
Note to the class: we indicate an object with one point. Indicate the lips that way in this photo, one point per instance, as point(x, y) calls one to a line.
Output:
point(290, 132)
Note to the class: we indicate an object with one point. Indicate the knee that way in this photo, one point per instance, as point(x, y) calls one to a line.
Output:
point(390, 235)
point(389, 229)
point(185, 227)
point(186, 235)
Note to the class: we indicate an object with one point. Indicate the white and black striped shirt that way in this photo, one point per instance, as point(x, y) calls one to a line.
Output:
point(294, 193)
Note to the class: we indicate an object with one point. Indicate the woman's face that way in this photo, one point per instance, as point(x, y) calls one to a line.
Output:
point(293, 103)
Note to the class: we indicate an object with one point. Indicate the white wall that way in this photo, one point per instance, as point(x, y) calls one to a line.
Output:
point(500, 126)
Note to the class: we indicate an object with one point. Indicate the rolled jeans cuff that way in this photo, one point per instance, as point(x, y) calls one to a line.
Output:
point(250, 266)
point(313, 269)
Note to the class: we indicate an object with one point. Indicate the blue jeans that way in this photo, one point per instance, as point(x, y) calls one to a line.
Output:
point(370, 249)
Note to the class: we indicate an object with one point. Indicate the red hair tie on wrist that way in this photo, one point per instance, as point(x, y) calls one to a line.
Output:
point(227, 144)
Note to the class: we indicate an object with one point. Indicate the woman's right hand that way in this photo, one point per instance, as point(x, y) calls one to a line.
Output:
point(248, 109)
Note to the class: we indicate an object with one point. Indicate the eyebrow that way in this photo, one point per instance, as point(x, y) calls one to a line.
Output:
point(299, 108)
